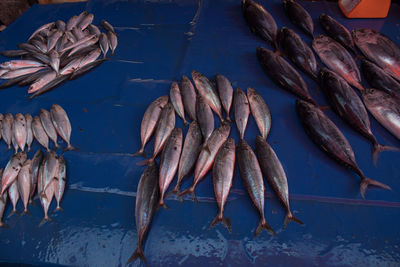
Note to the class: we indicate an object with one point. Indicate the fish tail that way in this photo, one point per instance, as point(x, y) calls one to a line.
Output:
point(58, 208)
point(228, 119)
point(365, 182)
point(161, 203)
point(31, 202)
point(44, 220)
point(264, 225)
point(140, 153)
point(69, 147)
point(3, 225)
point(276, 48)
point(29, 148)
point(185, 122)
point(138, 253)
point(378, 148)
point(190, 191)
point(225, 221)
point(175, 191)
point(27, 212)
point(290, 217)
point(14, 211)
point(145, 162)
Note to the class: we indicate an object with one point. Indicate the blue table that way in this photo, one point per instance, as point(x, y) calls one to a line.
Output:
point(158, 42)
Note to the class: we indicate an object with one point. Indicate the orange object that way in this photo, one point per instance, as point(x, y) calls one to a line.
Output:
point(365, 8)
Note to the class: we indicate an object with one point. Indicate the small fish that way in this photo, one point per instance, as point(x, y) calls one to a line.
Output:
point(207, 156)
point(24, 184)
point(225, 91)
point(54, 60)
point(78, 34)
point(14, 196)
point(103, 41)
point(3, 204)
point(260, 21)
point(272, 169)
point(53, 39)
point(81, 17)
point(283, 74)
point(40, 45)
point(113, 41)
point(85, 69)
point(61, 25)
point(71, 38)
point(42, 28)
point(39, 133)
point(260, 112)
point(169, 162)
point(147, 197)
point(50, 169)
point(91, 57)
point(93, 29)
point(61, 123)
point(188, 96)
point(242, 111)
point(29, 48)
point(149, 121)
point(46, 201)
point(337, 31)
point(106, 25)
point(41, 82)
point(222, 174)
point(338, 59)
point(299, 16)
point(205, 118)
point(207, 92)
point(60, 182)
point(86, 21)
point(13, 53)
point(29, 134)
point(48, 126)
point(19, 64)
point(78, 49)
point(19, 131)
point(325, 134)
point(72, 22)
point(6, 129)
point(1, 127)
point(20, 72)
point(36, 163)
point(41, 57)
point(78, 43)
point(71, 66)
point(33, 77)
point(51, 85)
point(252, 179)
point(176, 100)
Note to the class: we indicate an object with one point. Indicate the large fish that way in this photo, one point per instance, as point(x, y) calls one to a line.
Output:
point(205, 118)
point(188, 96)
point(48, 126)
point(36, 163)
point(207, 91)
point(149, 121)
point(350, 108)
point(207, 156)
point(379, 49)
point(380, 79)
point(272, 169)
point(337, 31)
point(147, 197)
point(176, 100)
point(242, 111)
point(260, 112)
point(324, 133)
point(260, 21)
point(3, 204)
point(6, 130)
point(19, 130)
point(298, 51)
point(11, 170)
point(338, 59)
point(62, 124)
point(299, 16)
point(29, 134)
point(60, 182)
point(169, 162)
point(225, 91)
point(39, 133)
point(24, 183)
point(13, 193)
point(222, 173)
point(282, 73)
point(253, 182)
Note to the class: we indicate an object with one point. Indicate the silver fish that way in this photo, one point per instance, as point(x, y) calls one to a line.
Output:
point(50, 169)
point(71, 66)
point(36, 162)
point(113, 40)
point(1, 126)
point(83, 46)
point(40, 45)
point(42, 28)
point(60, 184)
point(188, 96)
point(46, 201)
point(6, 130)
point(77, 33)
point(242, 111)
point(93, 29)
point(205, 117)
point(39, 133)
point(260, 112)
point(3, 204)
point(53, 39)
point(61, 25)
point(54, 60)
point(78, 42)
point(19, 64)
point(61, 123)
point(103, 41)
point(48, 126)
point(19, 130)
point(14, 196)
point(88, 19)
point(225, 91)
point(20, 72)
point(71, 23)
point(24, 183)
point(176, 100)
point(89, 58)
point(107, 25)
point(42, 81)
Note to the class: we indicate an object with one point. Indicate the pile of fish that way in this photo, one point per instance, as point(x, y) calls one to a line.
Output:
point(57, 52)
point(22, 178)
point(380, 64)
point(20, 130)
point(205, 148)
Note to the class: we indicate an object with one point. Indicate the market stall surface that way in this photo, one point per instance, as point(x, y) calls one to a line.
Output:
point(158, 42)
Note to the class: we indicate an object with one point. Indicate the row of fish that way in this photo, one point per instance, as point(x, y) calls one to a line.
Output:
point(205, 148)
point(20, 130)
point(22, 178)
point(384, 104)
point(57, 52)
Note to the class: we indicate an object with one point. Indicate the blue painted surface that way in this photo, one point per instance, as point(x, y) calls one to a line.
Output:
point(157, 44)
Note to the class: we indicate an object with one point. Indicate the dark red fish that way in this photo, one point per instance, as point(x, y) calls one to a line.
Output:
point(225, 91)
point(337, 31)
point(242, 111)
point(299, 16)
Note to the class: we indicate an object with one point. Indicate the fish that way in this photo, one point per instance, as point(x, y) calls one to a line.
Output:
point(14, 81)
point(29, 134)
point(260, 111)
point(176, 100)
point(205, 118)
point(169, 162)
point(106, 25)
point(71, 38)
point(78, 34)
point(272, 169)
point(50, 169)
point(24, 184)
point(93, 29)
point(51, 85)
point(299, 16)
point(20, 72)
point(337, 31)
point(188, 96)
point(19, 131)
point(61, 25)
point(242, 111)
point(147, 197)
point(91, 57)
point(380, 79)
point(19, 64)
point(6, 129)
point(59, 186)
point(84, 46)
point(13, 53)
point(165, 125)
point(190, 152)
point(208, 93)
point(48, 126)
point(40, 45)
point(62, 124)
point(103, 41)
point(384, 108)
point(39, 133)
point(225, 92)
point(85, 21)
point(14, 197)
point(149, 122)
point(42, 81)
point(283, 74)
point(260, 22)
point(1, 127)
point(298, 51)
point(33, 77)
point(81, 17)
point(29, 48)
point(78, 43)
point(54, 60)
point(325, 134)
point(41, 28)
point(36, 163)
point(113, 41)
point(207, 156)
point(252, 179)
point(53, 39)
point(379, 49)
point(86, 68)
point(3, 204)
point(41, 57)
point(72, 22)
point(338, 59)
point(14, 141)
point(222, 175)
point(46, 201)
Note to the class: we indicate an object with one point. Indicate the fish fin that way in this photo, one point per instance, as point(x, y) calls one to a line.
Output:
point(175, 191)
point(365, 182)
point(140, 153)
point(264, 225)
point(228, 119)
point(378, 148)
point(3, 225)
point(145, 162)
point(223, 220)
point(27, 212)
point(162, 204)
point(290, 217)
point(58, 209)
point(69, 147)
point(190, 191)
point(31, 202)
point(137, 254)
point(44, 220)
point(43, 194)
point(12, 213)
point(185, 122)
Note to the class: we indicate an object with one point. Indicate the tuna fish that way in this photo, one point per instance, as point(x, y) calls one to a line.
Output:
point(205, 117)
point(299, 16)
point(242, 111)
point(225, 91)
point(189, 97)
point(24, 184)
point(176, 100)
point(260, 111)
point(337, 31)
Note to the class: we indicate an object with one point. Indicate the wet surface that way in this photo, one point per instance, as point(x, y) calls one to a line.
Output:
point(158, 42)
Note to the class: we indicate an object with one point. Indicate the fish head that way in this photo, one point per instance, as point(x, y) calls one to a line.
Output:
point(364, 35)
point(263, 53)
point(321, 42)
point(303, 107)
point(259, 140)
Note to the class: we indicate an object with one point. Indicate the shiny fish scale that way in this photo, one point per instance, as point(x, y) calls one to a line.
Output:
point(61, 123)
point(39, 133)
point(48, 126)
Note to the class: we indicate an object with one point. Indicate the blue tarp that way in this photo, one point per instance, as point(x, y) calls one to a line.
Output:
point(158, 42)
